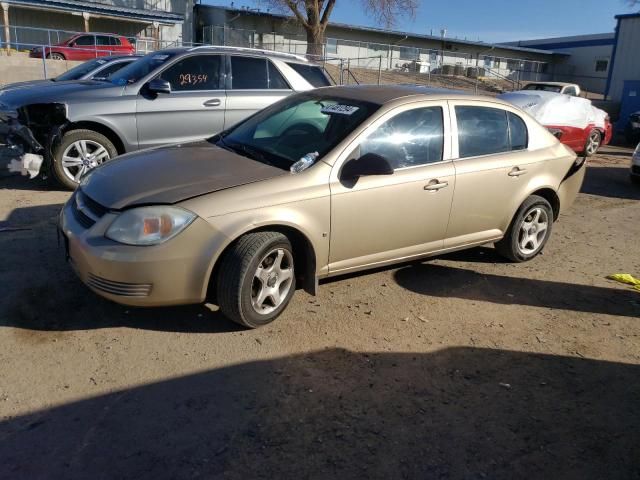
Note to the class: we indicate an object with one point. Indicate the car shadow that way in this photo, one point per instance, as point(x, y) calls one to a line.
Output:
point(613, 182)
point(40, 292)
point(445, 281)
point(457, 413)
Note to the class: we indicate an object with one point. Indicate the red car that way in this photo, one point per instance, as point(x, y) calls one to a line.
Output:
point(85, 46)
point(584, 140)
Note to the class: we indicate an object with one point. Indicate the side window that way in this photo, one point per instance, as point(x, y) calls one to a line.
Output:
point(276, 80)
point(411, 138)
point(482, 131)
point(103, 40)
point(85, 40)
point(311, 73)
point(518, 133)
point(249, 73)
point(114, 41)
point(571, 91)
point(200, 72)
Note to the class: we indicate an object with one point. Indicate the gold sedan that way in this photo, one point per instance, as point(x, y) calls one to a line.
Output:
point(322, 183)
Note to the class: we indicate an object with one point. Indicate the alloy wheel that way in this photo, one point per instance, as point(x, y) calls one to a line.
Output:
point(272, 281)
point(593, 143)
point(533, 231)
point(82, 156)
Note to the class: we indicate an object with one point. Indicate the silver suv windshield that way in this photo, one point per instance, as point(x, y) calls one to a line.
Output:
point(294, 127)
point(140, 68)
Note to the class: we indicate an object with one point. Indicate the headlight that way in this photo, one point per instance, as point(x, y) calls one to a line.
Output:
point(149, 225)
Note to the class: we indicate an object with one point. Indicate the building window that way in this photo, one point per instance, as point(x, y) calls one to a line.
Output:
point(408, 53)
point(332, 46)
point(602, 65)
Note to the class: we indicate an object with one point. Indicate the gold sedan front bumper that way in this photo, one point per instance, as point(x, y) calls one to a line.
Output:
point(173, 273)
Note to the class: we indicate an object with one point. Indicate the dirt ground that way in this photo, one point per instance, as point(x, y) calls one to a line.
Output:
point(462, 366)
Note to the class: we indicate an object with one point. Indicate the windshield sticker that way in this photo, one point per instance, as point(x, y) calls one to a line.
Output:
point(339, 109)
point(160, 57)
point(102, 62)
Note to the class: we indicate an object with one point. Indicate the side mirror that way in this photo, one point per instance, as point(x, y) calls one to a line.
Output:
point(368, 164)
point(157, 85)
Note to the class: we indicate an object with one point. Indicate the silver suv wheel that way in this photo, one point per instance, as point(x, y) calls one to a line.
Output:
point(82, 156)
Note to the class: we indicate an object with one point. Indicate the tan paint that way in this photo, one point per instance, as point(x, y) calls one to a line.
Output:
point(378, 220)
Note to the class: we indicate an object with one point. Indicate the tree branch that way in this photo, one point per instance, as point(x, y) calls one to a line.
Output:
point(327, 12)
point(294, 8)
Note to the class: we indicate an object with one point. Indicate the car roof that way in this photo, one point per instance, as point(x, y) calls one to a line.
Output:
point(558, 84)
point(381, 94)
point(240, 50)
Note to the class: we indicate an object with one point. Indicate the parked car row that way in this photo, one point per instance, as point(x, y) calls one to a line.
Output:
point(174, 95)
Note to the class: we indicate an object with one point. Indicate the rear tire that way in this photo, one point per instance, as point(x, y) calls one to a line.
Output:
point(71, 159)
point(256, 279)
point(56, 56)
point(529, 230)
point(593, 143)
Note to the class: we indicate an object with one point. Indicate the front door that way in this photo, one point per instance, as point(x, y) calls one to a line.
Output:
point(193, 110)
point(383, 218)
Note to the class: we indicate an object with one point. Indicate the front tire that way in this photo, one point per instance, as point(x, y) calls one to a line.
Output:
point(78, 152)
point(56, 56)
point(256, 279)
point(529, 230)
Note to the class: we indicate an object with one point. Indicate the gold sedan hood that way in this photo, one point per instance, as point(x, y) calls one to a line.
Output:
point(171, 174)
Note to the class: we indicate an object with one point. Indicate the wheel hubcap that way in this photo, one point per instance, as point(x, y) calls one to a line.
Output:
point(82, 156)
point(272, 281)
point(533, 231)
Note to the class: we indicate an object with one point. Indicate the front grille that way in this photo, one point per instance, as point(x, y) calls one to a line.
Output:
point(119, 288)
point(86, 210)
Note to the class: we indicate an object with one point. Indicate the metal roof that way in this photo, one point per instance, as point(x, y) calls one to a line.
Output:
point(392, 32)
point(103, 9)
point(628, 15)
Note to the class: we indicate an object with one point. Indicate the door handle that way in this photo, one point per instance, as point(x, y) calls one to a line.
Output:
point(517, 171)
point(214, 102)
point(435, 185)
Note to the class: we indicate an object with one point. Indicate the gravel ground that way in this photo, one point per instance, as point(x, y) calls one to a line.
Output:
point(463, 366)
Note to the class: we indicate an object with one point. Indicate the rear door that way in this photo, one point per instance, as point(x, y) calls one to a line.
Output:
point(493, 166)
point(253, 84)
point(193, 110)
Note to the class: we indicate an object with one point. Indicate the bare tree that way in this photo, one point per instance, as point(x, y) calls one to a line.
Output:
point(313, 15)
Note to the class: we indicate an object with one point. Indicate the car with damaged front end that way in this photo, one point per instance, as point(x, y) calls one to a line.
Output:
point(170, 96)
point(320, 184)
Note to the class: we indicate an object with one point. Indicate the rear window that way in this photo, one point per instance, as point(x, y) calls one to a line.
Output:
point(312, 74)
point(249, 73)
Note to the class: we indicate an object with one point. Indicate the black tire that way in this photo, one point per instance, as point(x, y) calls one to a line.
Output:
point(596, 134)
point(509, 246)
point(68, 139)
point(56, 56)
point(235, 282)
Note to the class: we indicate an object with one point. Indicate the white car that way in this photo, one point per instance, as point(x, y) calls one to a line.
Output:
point(635, 166)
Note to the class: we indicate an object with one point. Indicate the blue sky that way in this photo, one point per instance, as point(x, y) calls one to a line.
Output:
point(491, 20)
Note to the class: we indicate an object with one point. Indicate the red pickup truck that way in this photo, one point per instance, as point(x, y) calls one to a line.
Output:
point(85, 46)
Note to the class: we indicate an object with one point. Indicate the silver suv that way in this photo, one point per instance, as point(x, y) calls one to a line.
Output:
point(169, 96)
